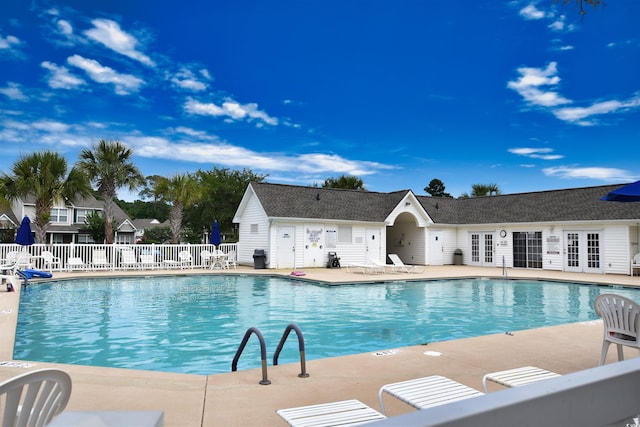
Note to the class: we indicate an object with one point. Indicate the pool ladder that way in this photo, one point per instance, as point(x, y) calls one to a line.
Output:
point(263, 351)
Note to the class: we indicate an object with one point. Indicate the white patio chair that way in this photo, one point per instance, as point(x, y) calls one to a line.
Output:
point(185, 259)
point(34, 398)
point(128, 259)
point(401, 266)
point(147, 261)
point(231, 260)
point(635, 263)
point(621, 319)
point(205, 258)
point(50, 261)
point(75, 263)
point(99, 260)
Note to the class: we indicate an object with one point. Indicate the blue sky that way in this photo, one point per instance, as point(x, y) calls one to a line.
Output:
point(523, 94)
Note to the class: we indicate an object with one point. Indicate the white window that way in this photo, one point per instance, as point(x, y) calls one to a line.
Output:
point(345, 233)
point(85, 238)
point(58, 215)
point(81, 215)
point(123, 239)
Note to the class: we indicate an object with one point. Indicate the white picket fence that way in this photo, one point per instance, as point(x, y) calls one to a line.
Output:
point(83, 257)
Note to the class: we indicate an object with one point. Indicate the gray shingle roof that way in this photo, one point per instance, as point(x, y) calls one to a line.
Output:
point(289, 201)
point(575, 204)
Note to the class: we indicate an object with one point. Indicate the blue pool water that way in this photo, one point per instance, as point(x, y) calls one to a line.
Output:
point(194, 324)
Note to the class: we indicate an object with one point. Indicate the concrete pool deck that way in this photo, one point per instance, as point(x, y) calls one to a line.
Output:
point(237, 399)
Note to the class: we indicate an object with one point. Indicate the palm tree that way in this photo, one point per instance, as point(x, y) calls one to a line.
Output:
point(44, 176)
point(181, 192)
point(109, 167)
point(479, 190)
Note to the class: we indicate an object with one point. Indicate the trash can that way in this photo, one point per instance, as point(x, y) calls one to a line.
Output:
point(334, 261)
point(259, 259)
point(457, 257)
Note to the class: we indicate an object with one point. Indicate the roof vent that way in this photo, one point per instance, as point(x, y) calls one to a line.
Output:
point(318, 196)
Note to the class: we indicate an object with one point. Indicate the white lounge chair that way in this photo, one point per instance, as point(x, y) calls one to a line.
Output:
point(128, 259)
point(34, 398)
point(75, 263)
point(621, 319)
point(401, 266)
point(364, 268)
point(427, 392)
point(50, 261)
point(635, 263)
point(343, 413)
point(147, 261)
point(382, 267)
point(99, 260)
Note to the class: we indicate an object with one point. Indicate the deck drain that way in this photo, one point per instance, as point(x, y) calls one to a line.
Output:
point(12, 364)
point(432, 353)
point(385, 353)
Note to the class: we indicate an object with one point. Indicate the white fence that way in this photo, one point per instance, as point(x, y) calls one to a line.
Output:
point(70, 257)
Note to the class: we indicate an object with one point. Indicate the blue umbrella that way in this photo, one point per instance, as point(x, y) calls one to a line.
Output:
point(628, 193)
point(215, 233)
point(24, 236)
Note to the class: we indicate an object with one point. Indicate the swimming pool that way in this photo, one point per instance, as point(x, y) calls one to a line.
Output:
point(194, 324)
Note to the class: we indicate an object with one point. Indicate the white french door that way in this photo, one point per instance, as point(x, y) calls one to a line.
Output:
point(582, 251)
point(483, 249)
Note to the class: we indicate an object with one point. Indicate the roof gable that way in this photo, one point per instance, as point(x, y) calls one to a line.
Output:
point(289, 201)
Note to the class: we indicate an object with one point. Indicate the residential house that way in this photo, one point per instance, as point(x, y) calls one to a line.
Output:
point(567, 230)
point(67, 221)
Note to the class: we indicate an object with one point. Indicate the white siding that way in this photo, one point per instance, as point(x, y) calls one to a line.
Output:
point(615, 244)
point(253, 215)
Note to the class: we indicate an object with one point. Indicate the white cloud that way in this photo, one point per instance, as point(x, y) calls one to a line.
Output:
point(531, 12)
point(64, 27)
point(579, 114)
point(60, 77)
point(9, 42)
point(230, 109)
point(14, 92)
point(534, 83)
point(601, 173)
point(536, 86)
point(221, 153)
point(124, 83)
point(536, 153)
point(187, 79)
point(109, 33)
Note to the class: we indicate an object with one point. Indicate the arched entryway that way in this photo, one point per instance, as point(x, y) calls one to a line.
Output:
point(406, 238)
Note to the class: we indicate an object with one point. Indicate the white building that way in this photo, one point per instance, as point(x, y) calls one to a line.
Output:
point(567, 230)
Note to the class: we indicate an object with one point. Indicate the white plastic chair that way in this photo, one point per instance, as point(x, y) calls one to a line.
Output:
point(99, 260)
point(185, 259)
point(34, 398)
point(50, 261)
point(128, 259)
point(205, 257)
point(635, 263)
point(231, 260)
point(621, 319)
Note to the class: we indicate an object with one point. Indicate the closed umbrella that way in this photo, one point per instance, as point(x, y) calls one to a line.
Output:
point(24, 236)
point(215, 234)
point(628, 193)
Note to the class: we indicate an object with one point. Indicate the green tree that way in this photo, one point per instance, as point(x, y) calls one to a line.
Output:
point(94, 226)
point(180, 191)
point(348, 182)
point(222, 191)
point(436, 188)
point(44, 176)
point(108, 165)
point(479, 190)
